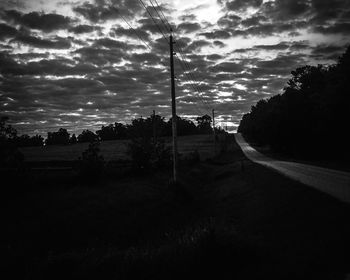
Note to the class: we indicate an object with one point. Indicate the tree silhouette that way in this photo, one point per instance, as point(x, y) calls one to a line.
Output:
point(87, 136)
point(61, 137)
point(204, 124)
point(310, 117)
point(9, 154)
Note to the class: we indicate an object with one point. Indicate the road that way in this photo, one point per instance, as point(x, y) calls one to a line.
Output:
point(333, 182)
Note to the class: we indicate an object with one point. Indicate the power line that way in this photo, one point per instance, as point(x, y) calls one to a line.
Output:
point(192, 82)
point(135, 32)
point(165, 23)
point(159, 16)
point(191, 74)
point(160, 30)
point(171, 29)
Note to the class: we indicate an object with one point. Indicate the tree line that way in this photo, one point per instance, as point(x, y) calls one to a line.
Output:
point(310, 119)
point(152, 126)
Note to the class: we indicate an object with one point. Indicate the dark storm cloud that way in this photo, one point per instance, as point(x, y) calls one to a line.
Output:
point(98, 56)
point(95, 13)
point(328, 49)
point(269, 29)
point(188, 27)
point(217, 34)
point(83, 28)
point(7, 31)
point(197, 45)
point(229, 20)
point(279, 46)
point(284, 45)
point(214, 57)
point(286, 9)
point(241, 4)
point(146, 58)
point(319, 11)
point(219, 43)
point(39, 21)
point(136, 33)
point(102, 10)
point(149, 25)
point(227, 67)
point(55, 43)
point(281, 65)
point(8, 65)
point(326, 17)
point(337, 28)
point(330, 10)
point(253, 21)
point(57, 67)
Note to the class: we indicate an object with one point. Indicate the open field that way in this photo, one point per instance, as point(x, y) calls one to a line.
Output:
point(114, 150)
point(229, 219)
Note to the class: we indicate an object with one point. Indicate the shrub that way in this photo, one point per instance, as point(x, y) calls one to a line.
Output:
point(91, 164)
point(9, 154)
point(193, 157)
point(147, 153)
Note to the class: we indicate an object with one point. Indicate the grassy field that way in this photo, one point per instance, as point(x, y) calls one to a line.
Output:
point(115, 149)
point(228, 219)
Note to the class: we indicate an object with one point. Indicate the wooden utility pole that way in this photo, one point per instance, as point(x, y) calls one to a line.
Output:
point(214, 132)
point(173, 109)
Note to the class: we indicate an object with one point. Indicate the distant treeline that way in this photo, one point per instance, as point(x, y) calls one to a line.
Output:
point(152, 126)
point(311, 117)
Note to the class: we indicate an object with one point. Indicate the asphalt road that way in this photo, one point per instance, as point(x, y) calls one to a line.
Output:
point(333, 182)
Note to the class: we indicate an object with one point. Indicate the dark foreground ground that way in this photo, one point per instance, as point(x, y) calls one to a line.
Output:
point(229, 219)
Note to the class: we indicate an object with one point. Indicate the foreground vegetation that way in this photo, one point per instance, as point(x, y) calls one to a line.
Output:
point(310, 118)
point(227, 219)
point(113, 150)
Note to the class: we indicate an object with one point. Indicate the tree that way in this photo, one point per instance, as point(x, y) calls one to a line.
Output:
point(29, 141)
point(310, 118)
point(61, 137)
point(184, 127)
point(9, 154)
point(204, 124)
point(73, 139)
point(112, 132)
point(87, 136)
point(91, 163)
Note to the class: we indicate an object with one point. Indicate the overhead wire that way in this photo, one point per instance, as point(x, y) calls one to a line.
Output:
point(154, 21)
point(170, 27)
point(160, 16)
point(191, 79)
point(190, 82)
point(162, 21)
point(143, 41)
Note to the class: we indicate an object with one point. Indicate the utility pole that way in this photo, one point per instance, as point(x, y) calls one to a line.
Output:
point(173, 109)
point(214, 134)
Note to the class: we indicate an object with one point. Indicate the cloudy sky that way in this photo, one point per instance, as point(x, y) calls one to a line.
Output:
point(78, 64)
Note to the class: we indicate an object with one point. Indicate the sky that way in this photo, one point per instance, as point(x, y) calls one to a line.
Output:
point(78, 64)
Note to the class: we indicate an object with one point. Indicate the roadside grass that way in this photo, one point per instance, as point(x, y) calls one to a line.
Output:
point(232, 219)
point(113, 150)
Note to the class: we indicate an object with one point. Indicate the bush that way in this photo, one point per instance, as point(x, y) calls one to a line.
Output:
point(147, 153)
point(9, 154)
point(91, 164)
point(193, 157)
